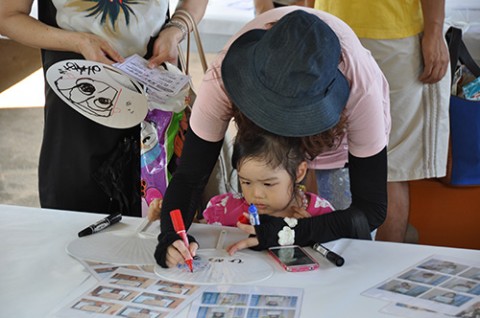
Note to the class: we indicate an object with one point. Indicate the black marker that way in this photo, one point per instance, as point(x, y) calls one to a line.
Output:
point(100, 225)
point(331, 256)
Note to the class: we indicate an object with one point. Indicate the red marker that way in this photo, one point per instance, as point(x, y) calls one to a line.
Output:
point(179, 227)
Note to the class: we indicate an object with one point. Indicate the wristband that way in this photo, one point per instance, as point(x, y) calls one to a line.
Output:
point(179, 25)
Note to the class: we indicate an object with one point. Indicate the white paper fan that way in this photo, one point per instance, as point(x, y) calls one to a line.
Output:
point(99, 92)
point(216, 266)
point(123, 247)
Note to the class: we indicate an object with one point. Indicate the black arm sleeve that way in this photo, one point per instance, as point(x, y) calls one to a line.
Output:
point(368, 185)
point(186, 187)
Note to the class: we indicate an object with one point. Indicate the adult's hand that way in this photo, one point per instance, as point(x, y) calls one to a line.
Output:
point(165, 47)
point(435, 58)
point(434, 49)
point(95, 48)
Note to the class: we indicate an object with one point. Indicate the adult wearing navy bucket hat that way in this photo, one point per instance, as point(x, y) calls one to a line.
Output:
point(300, 73)
point(282, 82)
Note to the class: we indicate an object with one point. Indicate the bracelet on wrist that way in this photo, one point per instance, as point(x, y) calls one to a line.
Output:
point(186, 17)
point(179, 25)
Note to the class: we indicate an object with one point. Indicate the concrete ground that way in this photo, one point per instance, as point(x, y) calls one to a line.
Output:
point(20, 138)
point(21, 123)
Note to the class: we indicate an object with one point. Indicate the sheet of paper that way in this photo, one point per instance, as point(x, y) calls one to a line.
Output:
point(246, 301)
point(165, 83)
point(132, 293)
point(438, 284)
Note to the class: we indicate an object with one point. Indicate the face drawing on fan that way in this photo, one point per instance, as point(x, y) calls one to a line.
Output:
point(93, 97)
point(200, 264)
point(221, 260)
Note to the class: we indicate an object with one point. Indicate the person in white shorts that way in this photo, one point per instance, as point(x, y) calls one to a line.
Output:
point(406, 40)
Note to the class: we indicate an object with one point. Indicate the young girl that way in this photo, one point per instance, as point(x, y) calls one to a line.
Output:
point(270, 171)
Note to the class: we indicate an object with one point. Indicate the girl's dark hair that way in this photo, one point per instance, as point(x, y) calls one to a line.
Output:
point(276, 151)
point(311, 146)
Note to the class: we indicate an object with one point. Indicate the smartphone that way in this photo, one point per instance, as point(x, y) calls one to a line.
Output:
point(293, 258)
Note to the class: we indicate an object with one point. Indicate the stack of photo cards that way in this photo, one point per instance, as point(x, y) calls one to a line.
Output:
point(236, 301)
point(101, 270)
point(136, 291)
point(438, 286)
point(132, 293)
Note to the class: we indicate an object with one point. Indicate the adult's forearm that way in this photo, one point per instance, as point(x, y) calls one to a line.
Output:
point(196, 8)
point(263, 5)
point(368, 185)
point(18, 25)
point(433, 16)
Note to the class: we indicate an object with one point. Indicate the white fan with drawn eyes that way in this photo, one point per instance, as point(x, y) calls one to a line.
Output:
point(99, 92)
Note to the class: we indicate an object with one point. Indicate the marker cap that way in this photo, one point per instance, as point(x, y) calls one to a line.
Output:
point(243, 219)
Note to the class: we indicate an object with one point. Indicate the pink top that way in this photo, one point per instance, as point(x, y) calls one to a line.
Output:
point(367, 109)
point(225, 209)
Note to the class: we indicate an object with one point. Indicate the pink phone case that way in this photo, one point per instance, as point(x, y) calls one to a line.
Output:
point(293, 258)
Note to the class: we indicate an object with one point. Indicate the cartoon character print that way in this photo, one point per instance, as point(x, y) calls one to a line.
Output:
point(150, 149)
point(153, 155)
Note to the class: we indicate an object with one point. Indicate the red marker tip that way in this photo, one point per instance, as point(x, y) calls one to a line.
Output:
point(190, 264)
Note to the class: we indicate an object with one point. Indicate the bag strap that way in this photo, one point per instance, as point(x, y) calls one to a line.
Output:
point(459, 52)
point(187, 18)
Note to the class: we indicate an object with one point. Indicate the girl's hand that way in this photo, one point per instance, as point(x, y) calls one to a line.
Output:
point(246, 243)
point(178, 252)
point(171, 251)
point(94, 48)
point(154, 210)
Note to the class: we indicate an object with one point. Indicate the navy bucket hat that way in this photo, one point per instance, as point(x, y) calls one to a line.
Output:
point(286, 79)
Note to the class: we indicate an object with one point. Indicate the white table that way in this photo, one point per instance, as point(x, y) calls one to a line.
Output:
point(36, 273)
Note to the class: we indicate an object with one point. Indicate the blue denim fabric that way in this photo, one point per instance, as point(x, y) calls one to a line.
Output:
point(334, 185)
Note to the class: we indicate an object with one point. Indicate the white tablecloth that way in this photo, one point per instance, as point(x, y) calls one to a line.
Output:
point(37, 275)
